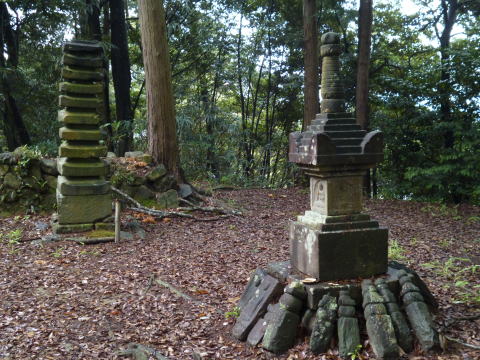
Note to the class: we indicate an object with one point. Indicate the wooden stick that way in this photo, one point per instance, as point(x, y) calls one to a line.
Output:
point(471, 346)
point(117, 221)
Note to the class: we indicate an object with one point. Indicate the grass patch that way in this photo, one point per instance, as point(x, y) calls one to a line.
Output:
point(396, 251)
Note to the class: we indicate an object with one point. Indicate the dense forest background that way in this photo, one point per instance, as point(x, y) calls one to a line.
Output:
point(237, 70)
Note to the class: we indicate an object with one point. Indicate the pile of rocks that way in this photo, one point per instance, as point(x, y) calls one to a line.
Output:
point(26, 181)
point(276, 311)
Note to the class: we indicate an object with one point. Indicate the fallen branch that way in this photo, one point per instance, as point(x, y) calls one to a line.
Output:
point(162, 214)
point(471, 346)
point(176, 291)
point(141, 352)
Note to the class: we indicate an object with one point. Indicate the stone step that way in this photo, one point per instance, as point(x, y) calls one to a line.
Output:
point(89, 89)
point(348, 149)
point(83, 168)
point(82, 151)
point(343, 121)
point(70, 73)
point(337, 115)
point(347, 141)
point(82, 186)
point(87, 61)
point(78, 118)
point(79, 102)
point(347, 134)
point(341, 127)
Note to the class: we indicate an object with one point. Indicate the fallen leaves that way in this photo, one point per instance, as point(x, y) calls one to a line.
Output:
point(88, 306)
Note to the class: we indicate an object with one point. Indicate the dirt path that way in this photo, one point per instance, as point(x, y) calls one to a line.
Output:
point(64, 301)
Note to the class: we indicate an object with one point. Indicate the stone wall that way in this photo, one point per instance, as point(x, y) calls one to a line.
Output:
point(28, 182)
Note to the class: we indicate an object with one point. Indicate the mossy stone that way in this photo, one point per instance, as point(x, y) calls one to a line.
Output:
point(81, 168)
point(79, 102)
point(69, 73)
point(3, 169)
point(82, 151)
point(168, 199)
point(78, 118)
point(83, 209)
point(79, 135)
point(12, 181)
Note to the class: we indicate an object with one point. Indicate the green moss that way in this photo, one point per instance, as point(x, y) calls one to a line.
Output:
point(150, 203)
point(99, 234)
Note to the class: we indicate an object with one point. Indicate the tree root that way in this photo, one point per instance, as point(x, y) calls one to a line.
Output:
point(182, 213)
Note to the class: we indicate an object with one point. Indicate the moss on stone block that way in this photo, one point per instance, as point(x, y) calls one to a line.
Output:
point(83, 209)
point(79, 135)
point(87, 118)
point(81, 168)
point(79, 102)
point(75, 74)
point(82, 151)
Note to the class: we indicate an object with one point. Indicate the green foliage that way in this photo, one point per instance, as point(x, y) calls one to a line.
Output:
point(234, 313)
point(356, 354)
point(457, 273)
point(12, 239)
point(396, 251)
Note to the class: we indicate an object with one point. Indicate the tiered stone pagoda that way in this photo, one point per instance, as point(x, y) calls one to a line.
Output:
point(338, 281)
point(335, 240)
point(83, 194)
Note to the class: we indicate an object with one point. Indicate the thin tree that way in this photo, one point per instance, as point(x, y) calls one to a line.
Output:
point(162, 137)
point(310, 34)
point(364, 44)
point(121, 75)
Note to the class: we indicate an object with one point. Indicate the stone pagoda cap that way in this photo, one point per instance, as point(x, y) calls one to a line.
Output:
point(334, 139)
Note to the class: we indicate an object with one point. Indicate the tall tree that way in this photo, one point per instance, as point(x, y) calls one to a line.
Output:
point(162, 137)
point(310, 34)
point(14, 128)
point(121, 75)
point(363, 63)
point(364, 43)
point(449, 9)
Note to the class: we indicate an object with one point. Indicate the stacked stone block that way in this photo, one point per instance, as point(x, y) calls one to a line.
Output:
point(83, 194)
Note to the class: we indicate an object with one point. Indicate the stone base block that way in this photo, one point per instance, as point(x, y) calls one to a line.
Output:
point(83, 209)
point(82, 186)
point(73, 228)
point(338, 255)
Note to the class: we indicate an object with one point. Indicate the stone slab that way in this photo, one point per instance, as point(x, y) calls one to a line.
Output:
point(324, 325)
point(338, 255)
point(79, 102)
point(256, 334)
point(69, 73)
point(72, 228)
point(82, 186)
point(84, 168)
point(67, 133)
point(280, 270)
point(253, 284)
point(84, 89)
point(87, 61)
point(83, 209)
point(78, 118)
point(82, 151)
point(266, 292)
point(382, 336)
point(281, 332)
point(348, 335)
point(88, 46)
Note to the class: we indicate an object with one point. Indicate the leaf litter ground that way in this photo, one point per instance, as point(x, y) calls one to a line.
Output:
point(60, 300)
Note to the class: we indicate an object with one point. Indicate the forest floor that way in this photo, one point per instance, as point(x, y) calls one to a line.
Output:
point(62, 300)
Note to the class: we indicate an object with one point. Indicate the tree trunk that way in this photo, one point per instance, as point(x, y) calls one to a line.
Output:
point(364, 43)
point(93, 30)
point(449, 14)
point(14, 128)
point(162, 137)
point(310, 34)
point(121, 75)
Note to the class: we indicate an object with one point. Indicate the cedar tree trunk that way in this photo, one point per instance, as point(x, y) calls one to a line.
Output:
point(162, 137)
